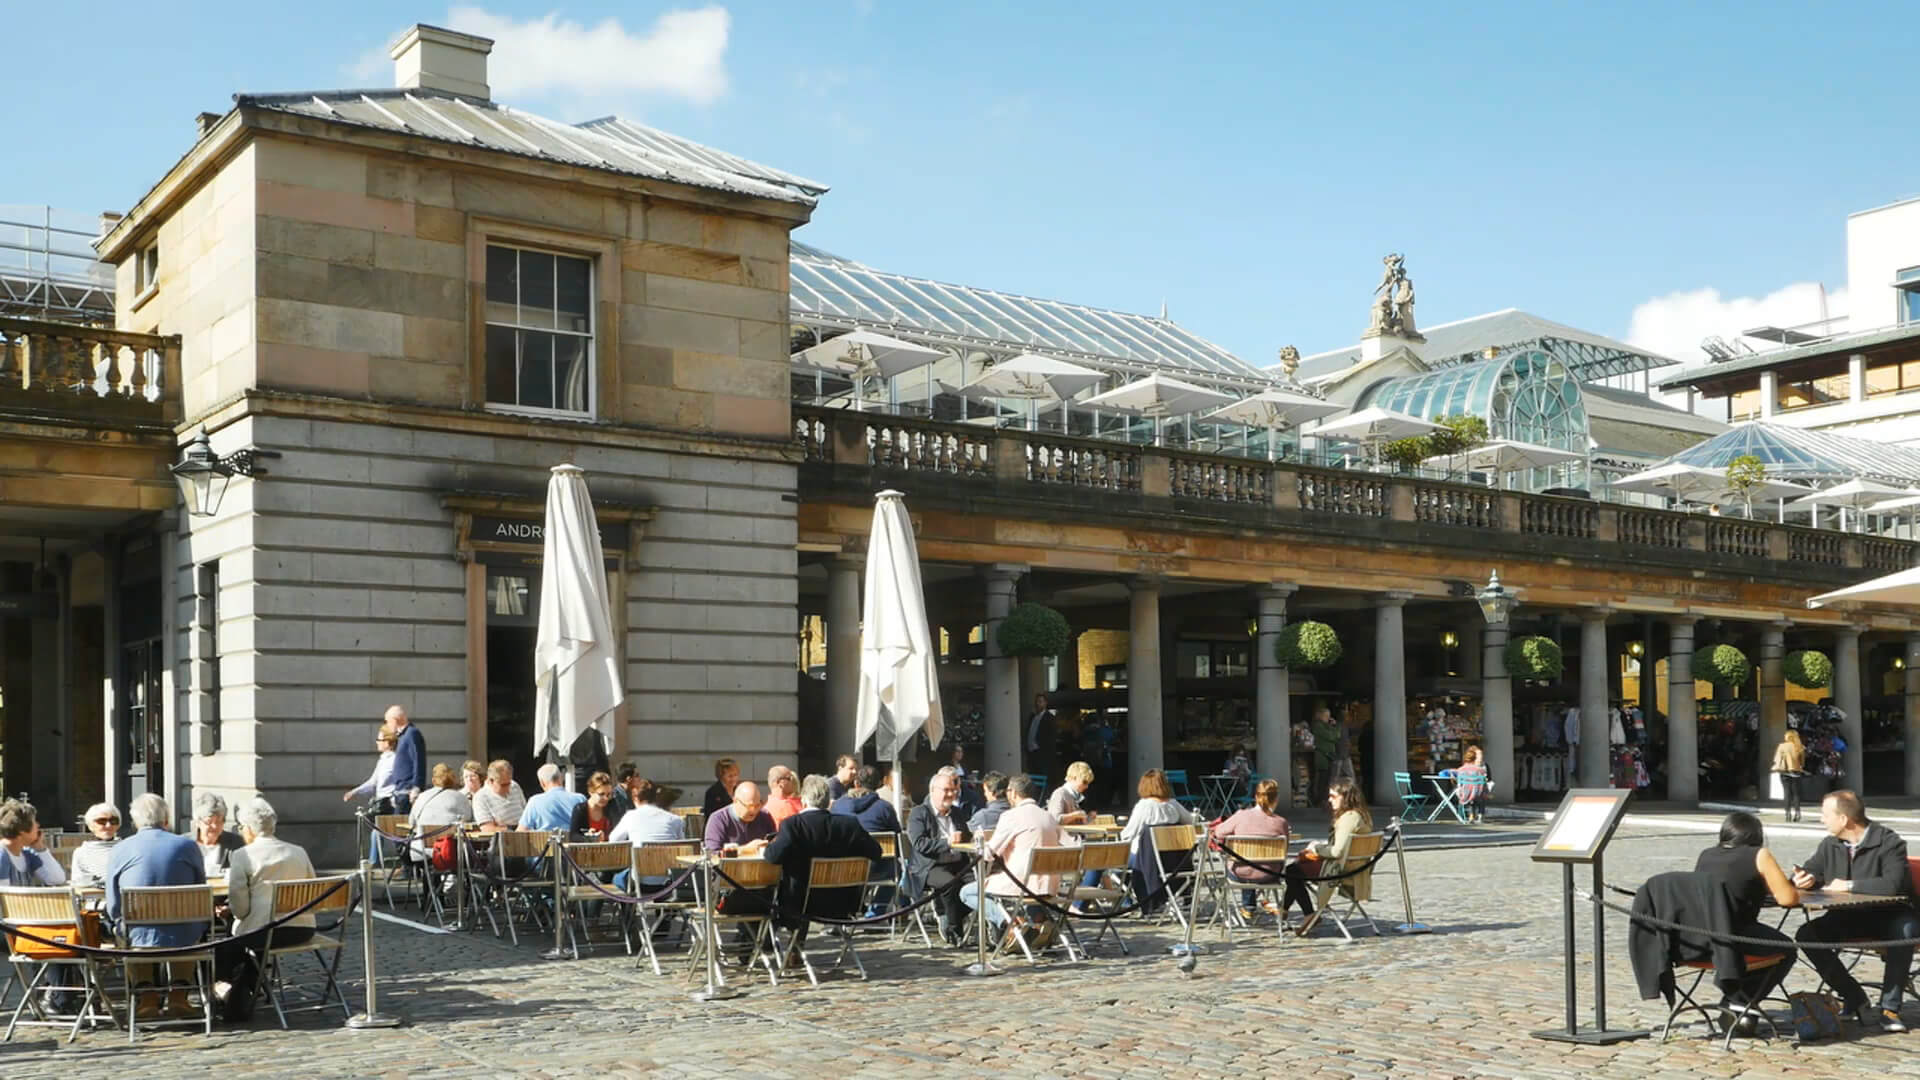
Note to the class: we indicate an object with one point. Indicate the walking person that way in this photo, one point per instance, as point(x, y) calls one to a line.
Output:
point(1790, 761)
point(377, 788)
point(409, 759)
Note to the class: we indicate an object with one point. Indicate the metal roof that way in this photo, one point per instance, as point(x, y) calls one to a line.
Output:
point(614, 145)
point(1773, 358)
point(1587, 355)
point(835, 292)
point(1791, 453)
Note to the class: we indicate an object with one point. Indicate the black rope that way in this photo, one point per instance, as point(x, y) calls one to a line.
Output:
point(773, 905)
point(177, 950)
point(618, 897)
point(1738, 939)
point(1387, 840)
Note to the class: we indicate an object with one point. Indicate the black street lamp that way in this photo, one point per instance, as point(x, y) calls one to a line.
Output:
point(203, 475)
point(1495, 601)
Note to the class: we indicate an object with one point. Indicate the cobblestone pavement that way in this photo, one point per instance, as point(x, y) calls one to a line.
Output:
point(1458, 1002)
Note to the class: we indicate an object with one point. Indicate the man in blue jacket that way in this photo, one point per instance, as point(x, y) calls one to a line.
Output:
point(1864, 857)
point(409, 760)
point(156, 856)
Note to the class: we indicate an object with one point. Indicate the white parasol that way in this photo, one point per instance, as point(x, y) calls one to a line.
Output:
point(899, 677)
point(1158, 396)
point(576, 661)
point(1036, 380)
point(1275, 410)
point(863, 353)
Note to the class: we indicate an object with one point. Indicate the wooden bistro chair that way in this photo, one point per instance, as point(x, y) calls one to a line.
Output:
point(1110, 858)
point(1063, 864)
point(884, 873)
point(1171, 843)
point(754, 914)
point(1270, 852)
point(518, 868)
point(52, 913)
point(167, 905)
point(838, 885)
point(658, 861)
point(1356, 891)
point(602, 860)
point(394, 857)
point(331, 916)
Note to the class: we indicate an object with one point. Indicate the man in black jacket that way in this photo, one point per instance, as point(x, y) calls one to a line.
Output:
point(815, 834)
point(1862, 857)
point(931, 861)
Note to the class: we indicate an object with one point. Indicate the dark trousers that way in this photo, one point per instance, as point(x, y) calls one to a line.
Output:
point(1298, 892)
point(227, 955)
point(943, 876)
point(1756, 985)
point(1790, 787)
point(1872, 923)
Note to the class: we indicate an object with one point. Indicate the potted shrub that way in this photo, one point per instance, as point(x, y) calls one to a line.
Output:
point(1722, 665)
point(1307, 646)
point(1808, 668)
point(1535, 659)
point(1033, 630)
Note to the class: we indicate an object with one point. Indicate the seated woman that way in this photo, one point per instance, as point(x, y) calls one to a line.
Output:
point(251, 872)
point(91, 857)
point(596, 818)
point(441, 805)
point(1261, 819)
point(1471, 780)
point(1157, 806)
point(217, 845)
point(1350, 818)
point(1742, 865)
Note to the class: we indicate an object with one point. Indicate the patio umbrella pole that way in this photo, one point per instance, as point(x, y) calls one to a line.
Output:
point(371, 1018)
point(1411, 926)
point(982, 966)
point(558, 952)
point(716, 988)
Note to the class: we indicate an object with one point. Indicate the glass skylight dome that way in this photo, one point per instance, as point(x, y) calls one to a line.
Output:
point(1527, 396)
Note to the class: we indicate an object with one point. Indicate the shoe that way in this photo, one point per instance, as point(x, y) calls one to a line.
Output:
point(1271, 908)
point(178, 1004)
point(1855, 1012)
point(149, 1005)
point(1890, 1021)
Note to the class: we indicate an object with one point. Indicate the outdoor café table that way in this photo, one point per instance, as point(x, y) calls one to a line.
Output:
point(1815, 901)
point(1445, 786)
point(1218, 792)
point(1091, 832)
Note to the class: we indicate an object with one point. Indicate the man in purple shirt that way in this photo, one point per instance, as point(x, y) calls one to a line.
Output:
point(740, 823)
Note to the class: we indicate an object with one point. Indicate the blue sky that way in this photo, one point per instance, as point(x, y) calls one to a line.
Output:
point(1246, 164)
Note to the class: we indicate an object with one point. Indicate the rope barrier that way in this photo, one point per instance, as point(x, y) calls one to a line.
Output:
point(1386, 845)
point(161, 953)
point(586, 877)
point(1738, 939)
point(773, 905)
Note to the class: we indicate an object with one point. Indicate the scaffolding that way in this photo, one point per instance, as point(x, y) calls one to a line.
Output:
point(48, 268)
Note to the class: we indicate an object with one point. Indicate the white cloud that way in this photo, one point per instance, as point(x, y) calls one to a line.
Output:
point(683, 54)
point(1674, 325)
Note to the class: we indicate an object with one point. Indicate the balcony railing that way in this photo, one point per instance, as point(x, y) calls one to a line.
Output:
point(70, 372)
point(1043, 463)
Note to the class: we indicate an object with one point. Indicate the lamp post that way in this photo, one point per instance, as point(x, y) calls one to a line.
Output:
point(203, 476)
point(1495, 601)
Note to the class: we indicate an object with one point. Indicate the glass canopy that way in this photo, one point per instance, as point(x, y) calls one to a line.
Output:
point(1819, 457)
point(828, 290)
point(1527, 396)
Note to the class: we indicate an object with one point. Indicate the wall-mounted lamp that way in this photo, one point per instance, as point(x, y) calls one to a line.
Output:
point(203, 476)
point(1899, 663)
point(1448, 639)
point(1636, 649)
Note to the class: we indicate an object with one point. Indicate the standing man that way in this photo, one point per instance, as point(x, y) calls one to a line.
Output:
point(1040, 736)
point(1863, 857)
point(409, 760)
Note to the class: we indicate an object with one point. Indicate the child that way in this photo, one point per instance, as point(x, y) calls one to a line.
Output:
point(1471, 777)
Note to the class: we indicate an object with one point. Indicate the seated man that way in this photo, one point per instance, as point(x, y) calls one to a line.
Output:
point(864, 802)
point(815, 834)
point(156, 855)
point(931, 861)
point(994, 785)
point(552, 809)
point(1864, 857)
point(498, 805)
point(1025, 827)
point(740, 825)
point(19, 837)
point(845, 770)
point(647, 823)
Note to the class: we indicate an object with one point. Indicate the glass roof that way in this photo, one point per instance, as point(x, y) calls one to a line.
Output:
point(1526, 395)
point(1800, 454)
point(832, 291)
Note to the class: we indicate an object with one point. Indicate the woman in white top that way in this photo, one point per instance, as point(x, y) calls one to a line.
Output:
point(1157, 806)
point(377, 789)
point(251, 873)
point(91, 858)
point(442, 804)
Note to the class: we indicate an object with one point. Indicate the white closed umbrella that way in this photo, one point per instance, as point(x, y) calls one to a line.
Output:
point(1158, 396)
point(1036, 380)
point(1856, 495)
point(1275, 410)
point(899, 676)
point(863, 353)
point(576, 661)
point(1902, 587)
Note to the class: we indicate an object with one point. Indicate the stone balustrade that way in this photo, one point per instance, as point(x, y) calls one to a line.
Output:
point(1356, 503)
point(62, 371)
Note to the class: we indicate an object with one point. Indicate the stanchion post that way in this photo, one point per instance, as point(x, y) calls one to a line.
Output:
point(1187, 946)
point(1411, 926)
point(716, 988)
point(1599, 947)
point(371, 1018)
point(982, 966)
point(557, 858)
point(460, 874)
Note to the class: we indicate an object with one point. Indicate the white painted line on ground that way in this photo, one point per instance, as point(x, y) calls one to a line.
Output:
point(420, 926)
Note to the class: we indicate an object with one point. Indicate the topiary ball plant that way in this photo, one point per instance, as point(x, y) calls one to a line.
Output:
point(1808, 668)
point(1306, 646)
point(1033, 630)
point(1535, 658)
point(1722, 665)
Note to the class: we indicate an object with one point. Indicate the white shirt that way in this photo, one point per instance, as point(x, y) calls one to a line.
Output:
point(380, 784)
point(648, 824)
point(490, 807)
point(49, 871)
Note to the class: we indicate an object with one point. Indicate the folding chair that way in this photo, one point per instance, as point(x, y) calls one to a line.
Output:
point(595, 858)
point(397, 825)
point(1062, 863)
point(1110, 858)
point(1271, 853)
point(52, 913)
point(1684, 999)
point(1040, 785)
point(1182, 794)
point(512, 873)
point(1362, 847)
point(144, 907)
point(1412, 803)
point(753, 914)
point(825, 878)
point(1172, 842)
point(883, 873)
point(658, 861)
point(332, 914)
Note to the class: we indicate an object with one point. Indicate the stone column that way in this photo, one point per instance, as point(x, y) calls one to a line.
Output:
point(1389, 695)
point(1470, 656)
point(1846, 698)
point(1683, 725)
point(1913, 714)
point(843, 656)
point(1004, 737)
point(1033, 680)
point(1773, 700)
point(1146, 730)
point(1496, 711)
point(1595, 757)
point(1272, 716)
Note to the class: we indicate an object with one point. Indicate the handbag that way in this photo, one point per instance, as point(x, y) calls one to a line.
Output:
point(1815, 1017)
point(444, 855)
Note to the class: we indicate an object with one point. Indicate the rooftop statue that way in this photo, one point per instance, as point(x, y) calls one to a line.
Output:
point(1393, 300)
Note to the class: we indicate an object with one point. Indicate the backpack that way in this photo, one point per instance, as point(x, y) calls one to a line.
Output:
point(444, 856)
point(1815, 1017)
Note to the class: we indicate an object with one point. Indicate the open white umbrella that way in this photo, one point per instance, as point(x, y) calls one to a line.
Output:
point(1687, 483)
point(1158, 396)
point(1502, 456)
point(576, 662)
point(1902, 587)
point(1856, 495)
point(1373, 427)
point(899, 676)
point(1768, 490)
point(863, 353)
point(1036, 380)
point(1275, 410)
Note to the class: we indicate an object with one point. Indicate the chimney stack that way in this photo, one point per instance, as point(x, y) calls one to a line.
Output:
point(430, 58)
point(204, 123)
point(108, 219)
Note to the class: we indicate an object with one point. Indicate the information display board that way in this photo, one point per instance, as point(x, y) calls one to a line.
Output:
point(1580, 828)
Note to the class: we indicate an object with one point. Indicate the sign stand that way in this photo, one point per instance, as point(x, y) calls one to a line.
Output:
point(1579, 832)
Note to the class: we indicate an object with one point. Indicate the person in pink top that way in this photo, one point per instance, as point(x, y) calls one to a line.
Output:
point(1471, 777)
point(1261, 819)
point(1027, 825)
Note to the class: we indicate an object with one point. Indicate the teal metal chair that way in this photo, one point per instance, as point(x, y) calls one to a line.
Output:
point(1182, 794)
point(1413, 805)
